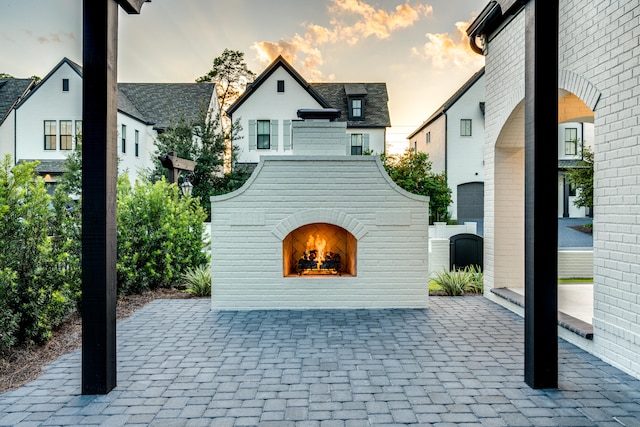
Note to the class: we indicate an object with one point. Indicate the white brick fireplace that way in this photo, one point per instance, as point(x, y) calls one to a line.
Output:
point(372, 234)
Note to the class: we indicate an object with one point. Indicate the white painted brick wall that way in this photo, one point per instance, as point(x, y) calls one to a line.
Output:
point(598, 63)
point(285, 193)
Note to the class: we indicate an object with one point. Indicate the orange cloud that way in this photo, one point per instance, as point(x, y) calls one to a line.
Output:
point(351, 22)
point(444, 50)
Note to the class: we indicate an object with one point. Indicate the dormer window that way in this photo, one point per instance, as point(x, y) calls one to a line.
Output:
point(280, 85)
point(65, 85)
point(356, 93)
point(356, 109)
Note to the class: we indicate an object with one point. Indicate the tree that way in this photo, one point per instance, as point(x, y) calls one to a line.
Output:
point(581, 177)
point(231, 76)
point(412, 172)
point(205, 142)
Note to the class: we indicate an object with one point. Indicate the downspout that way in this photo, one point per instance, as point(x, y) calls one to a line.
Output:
point(480, 24)
point(15, 136)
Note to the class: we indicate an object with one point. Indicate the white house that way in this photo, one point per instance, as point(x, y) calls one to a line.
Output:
point(280, 96)
point(454, 138)
point(11, 92)
point(46, 122)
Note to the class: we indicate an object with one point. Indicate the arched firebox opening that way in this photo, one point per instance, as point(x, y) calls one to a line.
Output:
point(319, 249)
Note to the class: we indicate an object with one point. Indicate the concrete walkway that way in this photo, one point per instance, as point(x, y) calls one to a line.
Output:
point(458, 363)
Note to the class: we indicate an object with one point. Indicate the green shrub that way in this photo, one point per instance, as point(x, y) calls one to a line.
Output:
point(198, 280)
point(8, 317)
point(457, 282)
point(35, 297)
point(159, 235)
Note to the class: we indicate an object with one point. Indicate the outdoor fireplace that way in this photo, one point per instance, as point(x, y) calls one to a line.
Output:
point(319, 249)
point(362, 243)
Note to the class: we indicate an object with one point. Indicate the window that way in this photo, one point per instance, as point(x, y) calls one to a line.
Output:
point(137, 143)
point(66, 134)
point(415, 147)
point(65, 85)
point(280, 85)
point(572, 190)
point(571, 141)
point(50, 135)
point(356, 144)
point(465, 127)
point(123, 135)
point(264, 134)
point(428, 137)
point(356, 108)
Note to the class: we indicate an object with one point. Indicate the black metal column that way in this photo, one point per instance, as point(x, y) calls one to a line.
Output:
point(541, 194)
point(99, 115)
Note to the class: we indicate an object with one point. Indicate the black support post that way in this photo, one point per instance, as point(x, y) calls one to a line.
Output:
point(99, 114)
point(541, 194)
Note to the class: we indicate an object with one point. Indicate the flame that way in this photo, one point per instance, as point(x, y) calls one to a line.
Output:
point(318, 244)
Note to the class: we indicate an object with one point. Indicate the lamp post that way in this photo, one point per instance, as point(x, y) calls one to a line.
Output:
point(186, 187)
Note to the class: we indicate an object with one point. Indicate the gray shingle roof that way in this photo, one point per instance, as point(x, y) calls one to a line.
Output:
point(331, 95)
point(376, 109)
point(161, 104)
point(11, 91)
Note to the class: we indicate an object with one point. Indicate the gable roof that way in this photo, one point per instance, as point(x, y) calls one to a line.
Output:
point(160, 104)
point(375, 106)
point(11, 92)
point(75, 67)
point(451, 101)
point(331, 95)
point(279, 62)
point(157, 104)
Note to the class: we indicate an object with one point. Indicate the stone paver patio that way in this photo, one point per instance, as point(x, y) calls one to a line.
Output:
point(458, 363)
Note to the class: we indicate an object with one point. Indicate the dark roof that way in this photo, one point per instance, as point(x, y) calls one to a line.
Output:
point(161, 104)
point(158, 104)
point(331, 95)
point(11, 91)
point(47, 166)
point(572, 163)
point(451, 101)
point(376, 109)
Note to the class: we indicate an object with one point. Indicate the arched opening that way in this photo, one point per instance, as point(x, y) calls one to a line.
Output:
point(319, 249)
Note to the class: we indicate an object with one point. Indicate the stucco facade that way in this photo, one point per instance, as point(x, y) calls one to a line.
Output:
point(598, 66)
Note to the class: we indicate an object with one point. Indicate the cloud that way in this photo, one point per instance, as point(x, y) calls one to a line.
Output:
point(443, 50)
point(59, 37)
point(351, 22)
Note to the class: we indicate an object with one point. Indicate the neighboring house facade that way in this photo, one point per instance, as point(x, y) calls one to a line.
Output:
point(280, 96)
point(454, 139)
point(11, 92)
point(573, 137)
point(46, 123)
point(596, 85)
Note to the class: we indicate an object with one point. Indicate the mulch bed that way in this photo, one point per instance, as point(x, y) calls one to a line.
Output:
point(582, 229)
point(24, 364)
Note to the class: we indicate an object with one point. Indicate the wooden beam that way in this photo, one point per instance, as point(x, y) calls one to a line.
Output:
point(541, 194)
point(132, 6)
point(99, 172)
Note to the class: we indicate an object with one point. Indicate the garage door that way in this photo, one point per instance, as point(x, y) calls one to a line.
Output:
point(471, 201)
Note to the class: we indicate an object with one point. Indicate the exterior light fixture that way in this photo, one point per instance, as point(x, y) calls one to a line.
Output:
point(186, 187)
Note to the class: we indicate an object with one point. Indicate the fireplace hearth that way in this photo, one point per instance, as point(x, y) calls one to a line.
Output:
point(319, 249)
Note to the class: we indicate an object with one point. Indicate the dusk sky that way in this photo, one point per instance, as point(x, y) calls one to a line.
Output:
point(418, 48)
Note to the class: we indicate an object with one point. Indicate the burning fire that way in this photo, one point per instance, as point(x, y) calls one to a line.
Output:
point(316, 244)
